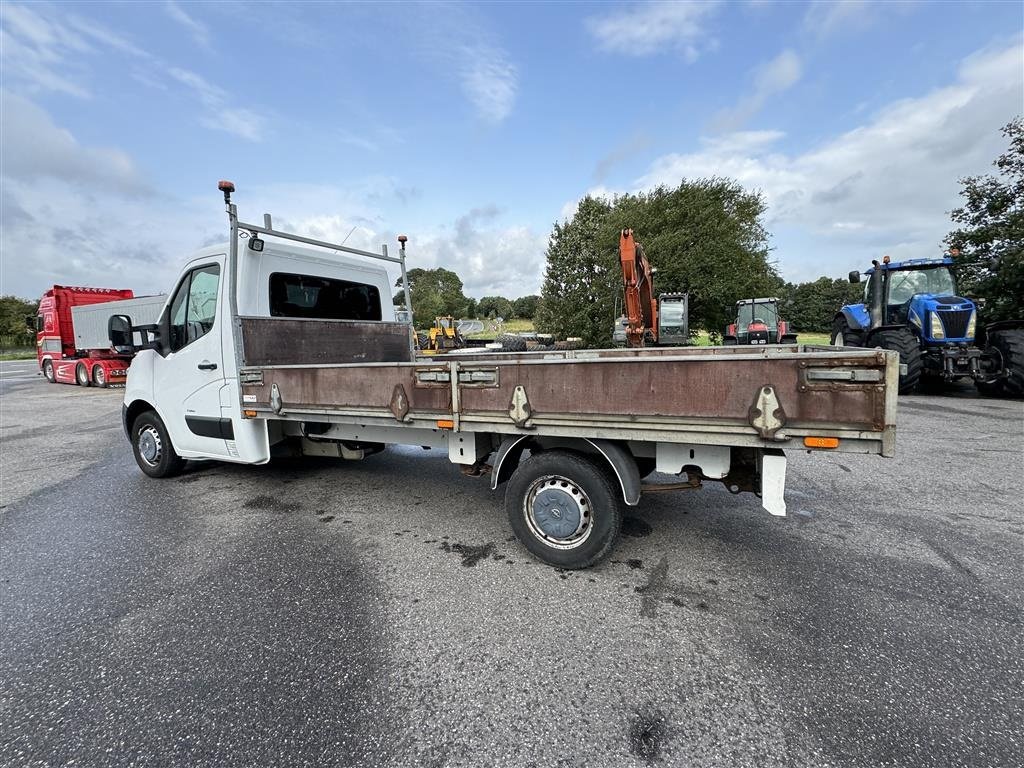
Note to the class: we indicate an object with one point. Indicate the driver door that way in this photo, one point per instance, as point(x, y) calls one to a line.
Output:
point(190, 376)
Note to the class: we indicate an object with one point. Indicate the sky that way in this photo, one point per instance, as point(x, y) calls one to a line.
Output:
point(473, 128)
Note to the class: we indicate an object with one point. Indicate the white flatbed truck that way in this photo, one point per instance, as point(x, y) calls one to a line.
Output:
point(276, 342)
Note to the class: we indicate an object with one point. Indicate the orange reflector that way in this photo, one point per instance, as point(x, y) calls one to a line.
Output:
point(249, 414)
point(821, 442)
point(445, 424)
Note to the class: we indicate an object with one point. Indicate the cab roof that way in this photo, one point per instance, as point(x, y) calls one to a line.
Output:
point(912, 264)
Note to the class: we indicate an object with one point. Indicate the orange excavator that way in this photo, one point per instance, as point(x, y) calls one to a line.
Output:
point(661, 321)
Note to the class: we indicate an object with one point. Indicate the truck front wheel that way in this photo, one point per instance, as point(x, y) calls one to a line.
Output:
point(48, 371)
point(152, 447)
point(564, 508)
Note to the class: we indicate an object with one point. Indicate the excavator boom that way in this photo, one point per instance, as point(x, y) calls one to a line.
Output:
point(641, 305)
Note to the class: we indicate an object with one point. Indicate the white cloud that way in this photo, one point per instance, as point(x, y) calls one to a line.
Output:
point(770, 79)
point(490, 82)
point(199, 31)
point(33, 147)
point(220, 115)
point(884, 186)
point(651, 27)
point(824, 19)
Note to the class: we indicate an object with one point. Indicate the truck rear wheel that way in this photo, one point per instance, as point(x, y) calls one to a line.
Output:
point(82, 375)
point(903, 341)
point(152, 447)
point(1009, 345)
point(48, 371)
point(564, 508)
point(99, 377)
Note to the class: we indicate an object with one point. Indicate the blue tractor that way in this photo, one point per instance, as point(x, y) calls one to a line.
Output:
point(912, 307)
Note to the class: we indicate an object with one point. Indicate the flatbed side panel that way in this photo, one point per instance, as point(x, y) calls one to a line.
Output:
point(298, 341)
point(349, 387)
point(716, 388)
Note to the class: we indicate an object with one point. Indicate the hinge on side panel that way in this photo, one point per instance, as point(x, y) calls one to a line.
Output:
point(844, 374)
point(766, 414)
point(519, 409)
point(479, 378)
point(430, 376)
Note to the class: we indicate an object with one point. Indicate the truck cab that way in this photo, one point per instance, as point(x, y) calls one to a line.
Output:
point(187, 371)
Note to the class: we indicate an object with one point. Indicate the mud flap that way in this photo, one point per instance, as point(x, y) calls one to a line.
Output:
point(773, 482)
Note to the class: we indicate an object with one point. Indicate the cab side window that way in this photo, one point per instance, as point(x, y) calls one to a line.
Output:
point(194, 306)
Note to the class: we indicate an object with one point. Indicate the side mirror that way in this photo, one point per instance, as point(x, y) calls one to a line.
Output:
point(119, 330)
point(855, 277)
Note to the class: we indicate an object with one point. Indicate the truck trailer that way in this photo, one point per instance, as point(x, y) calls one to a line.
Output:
point(72, 335)
point(275, 343)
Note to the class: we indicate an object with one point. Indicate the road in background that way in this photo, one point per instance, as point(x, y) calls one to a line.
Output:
point(381, 614)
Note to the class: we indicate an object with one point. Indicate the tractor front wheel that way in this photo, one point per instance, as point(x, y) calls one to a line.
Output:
point(843, 335)
point(906, 344)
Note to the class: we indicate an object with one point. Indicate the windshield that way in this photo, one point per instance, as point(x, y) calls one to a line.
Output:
point(904, 284)
point(764, 312)
point(672, 313)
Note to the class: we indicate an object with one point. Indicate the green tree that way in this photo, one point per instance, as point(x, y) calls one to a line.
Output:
point(991, 228)
point(434, 292)
point(471, 308)
point(14, 331)
point(576, 298)
point(494, 306)
point(704, 237)
point(525, 307)
point(811, 307)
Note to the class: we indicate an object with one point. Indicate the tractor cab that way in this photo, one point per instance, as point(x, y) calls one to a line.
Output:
point(758, 322)
point(920, 293)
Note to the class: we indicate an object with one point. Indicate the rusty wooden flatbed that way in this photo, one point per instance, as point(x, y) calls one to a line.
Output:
point(771, 397)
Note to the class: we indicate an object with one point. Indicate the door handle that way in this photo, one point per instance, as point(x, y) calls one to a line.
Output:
point(206, 365)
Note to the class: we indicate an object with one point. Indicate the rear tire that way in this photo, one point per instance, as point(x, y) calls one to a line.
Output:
point(564, 508)
point(48, 371)
point(99, 377)
point(1010, 345)
point(82, 375)
point(903, 341)
point(152, 447)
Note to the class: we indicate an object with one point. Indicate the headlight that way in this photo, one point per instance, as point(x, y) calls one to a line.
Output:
point(971, 324)
point(937, 331)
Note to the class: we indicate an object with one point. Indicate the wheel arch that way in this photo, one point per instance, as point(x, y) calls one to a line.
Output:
point(618, 458)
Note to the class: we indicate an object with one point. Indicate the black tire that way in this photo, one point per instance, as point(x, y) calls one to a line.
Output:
point(1010, 345)
point(593, 503)
point(152, 447)
point(422, 340)
point(511, 343)
point(48, 371)
point(843, 335)
point(82, 375)
point(99, 377)
point(729, 341)
point(903, 341)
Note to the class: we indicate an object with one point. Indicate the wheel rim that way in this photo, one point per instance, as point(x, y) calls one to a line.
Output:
point(839, 341)
point(150, 445)
point(48, 369)
point(83, 375)
point(99, 376)
point(558, 512)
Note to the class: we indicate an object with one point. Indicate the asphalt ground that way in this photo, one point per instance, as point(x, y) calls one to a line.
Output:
point(381, 614)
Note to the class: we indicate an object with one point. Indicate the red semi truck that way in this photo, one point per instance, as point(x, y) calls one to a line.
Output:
point(71, 333)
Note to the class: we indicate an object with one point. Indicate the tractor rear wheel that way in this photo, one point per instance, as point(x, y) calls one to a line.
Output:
point(511, 343)
point(1009, 343)
point(903, 341)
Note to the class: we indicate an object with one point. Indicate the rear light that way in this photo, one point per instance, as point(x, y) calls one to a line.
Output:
point(249, 414)
point(821, 442)
point(445, 424)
